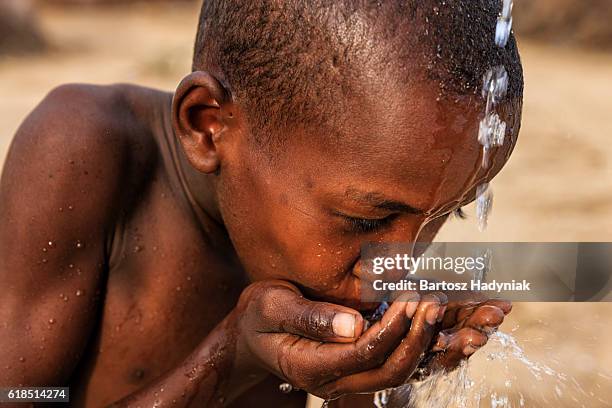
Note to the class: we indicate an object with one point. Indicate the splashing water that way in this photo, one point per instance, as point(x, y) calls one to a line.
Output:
point(460, 389)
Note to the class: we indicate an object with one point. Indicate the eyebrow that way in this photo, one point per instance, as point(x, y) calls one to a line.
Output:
point(378, 200)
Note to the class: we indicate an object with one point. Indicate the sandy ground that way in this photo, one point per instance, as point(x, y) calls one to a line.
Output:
point(557, 186)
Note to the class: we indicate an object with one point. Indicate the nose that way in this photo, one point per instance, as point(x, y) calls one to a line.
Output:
point(410, 237)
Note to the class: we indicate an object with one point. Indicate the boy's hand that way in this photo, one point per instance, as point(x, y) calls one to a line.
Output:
point(465, 328)
point(319, 347)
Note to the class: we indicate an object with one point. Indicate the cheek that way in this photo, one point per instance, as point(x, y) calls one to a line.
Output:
point(279, 233)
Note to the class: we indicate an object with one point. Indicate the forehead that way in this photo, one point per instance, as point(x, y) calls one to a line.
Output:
point(413, 145)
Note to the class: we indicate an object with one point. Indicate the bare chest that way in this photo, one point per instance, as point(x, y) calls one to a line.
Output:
point(166, 290)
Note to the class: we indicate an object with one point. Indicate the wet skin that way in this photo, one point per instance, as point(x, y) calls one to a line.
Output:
point(132, 226)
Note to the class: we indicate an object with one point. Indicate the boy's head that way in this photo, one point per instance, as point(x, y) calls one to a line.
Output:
point(331, 123)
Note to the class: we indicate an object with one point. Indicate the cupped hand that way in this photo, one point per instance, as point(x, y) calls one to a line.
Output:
point(322, 347)
point(465, 328)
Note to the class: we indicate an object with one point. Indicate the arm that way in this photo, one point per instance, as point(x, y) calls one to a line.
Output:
point(56, 191)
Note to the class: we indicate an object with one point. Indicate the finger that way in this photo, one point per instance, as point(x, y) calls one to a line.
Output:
point(378, 342)
point(504, 305)
point(400, 365)
point(486, 318)
point(303, 359)
point(458, 312)
point(282, 309)
point(456, 346)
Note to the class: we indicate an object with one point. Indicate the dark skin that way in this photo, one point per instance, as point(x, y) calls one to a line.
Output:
point(153, 255)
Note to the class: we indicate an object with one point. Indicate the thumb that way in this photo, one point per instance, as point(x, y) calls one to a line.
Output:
point(289, 312)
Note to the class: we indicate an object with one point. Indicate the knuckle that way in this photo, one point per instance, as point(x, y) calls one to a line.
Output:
point(369, 355)
point(316, 320)
point(266, 304)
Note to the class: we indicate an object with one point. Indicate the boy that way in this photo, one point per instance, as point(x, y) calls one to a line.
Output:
point(199, 248)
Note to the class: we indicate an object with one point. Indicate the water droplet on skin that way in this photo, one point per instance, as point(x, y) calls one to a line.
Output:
point(44, 260)
point(51, 321)
point(178, 288)
point(79, 292)
point(79, 244)
point(61, 209)
point(285, 388)
point(22, 359)
point(137, 248)
point(70, 208)
point(51, 244)
point(44, 249)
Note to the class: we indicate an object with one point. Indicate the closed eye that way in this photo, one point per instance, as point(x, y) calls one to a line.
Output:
point(366, 225)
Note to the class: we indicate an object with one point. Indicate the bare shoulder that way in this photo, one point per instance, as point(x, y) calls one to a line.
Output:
point(85, 117)
point(82, 145)
point(98, 129)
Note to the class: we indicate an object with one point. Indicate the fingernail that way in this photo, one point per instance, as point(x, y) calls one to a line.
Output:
point(441, 343)
point(411, 308)
point(344, 325)
point(469, 350)
point(432, 313)
point(441, 313)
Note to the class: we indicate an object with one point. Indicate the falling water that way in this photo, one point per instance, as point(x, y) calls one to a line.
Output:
point(492, 129)
point(459, 389)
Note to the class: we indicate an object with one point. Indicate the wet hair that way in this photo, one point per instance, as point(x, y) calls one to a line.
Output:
point(292, 62)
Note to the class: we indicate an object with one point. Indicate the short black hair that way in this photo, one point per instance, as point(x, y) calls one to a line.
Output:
point(290, 62)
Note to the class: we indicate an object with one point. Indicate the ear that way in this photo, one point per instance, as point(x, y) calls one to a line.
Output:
point(198, 119)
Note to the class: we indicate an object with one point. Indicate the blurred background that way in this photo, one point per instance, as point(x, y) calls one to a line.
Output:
point(556, 187)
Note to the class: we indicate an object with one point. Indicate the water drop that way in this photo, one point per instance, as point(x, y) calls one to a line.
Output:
point(381, 398)
point(79, 292)
point(285, 388)
point(51, 321)
point(79, 244)
point(22, 359)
